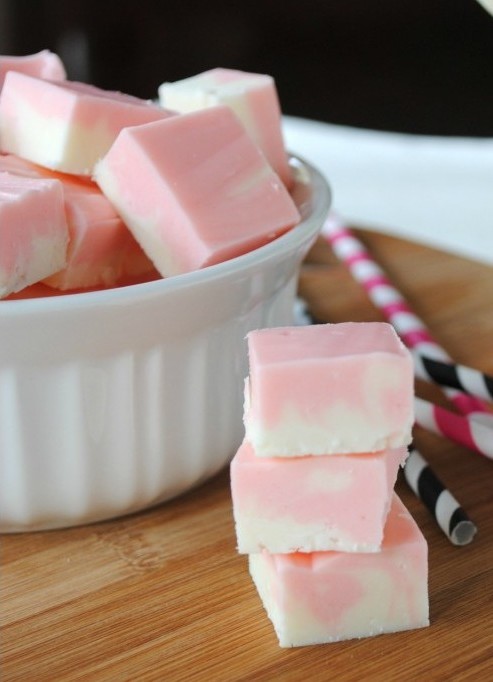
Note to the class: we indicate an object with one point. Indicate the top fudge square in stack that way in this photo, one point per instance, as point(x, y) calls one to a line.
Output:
point(328, 389)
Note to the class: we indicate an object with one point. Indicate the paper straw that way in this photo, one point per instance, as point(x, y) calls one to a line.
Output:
point(457, 428)
point(447, 512)
point(392, 304)
point(466, 379)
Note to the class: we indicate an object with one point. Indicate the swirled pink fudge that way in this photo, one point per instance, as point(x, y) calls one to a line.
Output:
point(33, 231)
point(44, 64)
point(65, 125)
point(328, 389)
point(252, 96)
point(101, 250)
point(195, 190)
point(331, 596)
point(308, 504)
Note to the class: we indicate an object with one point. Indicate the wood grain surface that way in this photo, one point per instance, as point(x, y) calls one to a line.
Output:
point(163, 595)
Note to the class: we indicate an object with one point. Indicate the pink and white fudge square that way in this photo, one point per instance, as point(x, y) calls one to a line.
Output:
point(43, 64)
point(252, 96)
point(33, 231)
point(308, 504)
point(195, 190)
point(101, 249)
point(328, 389)
point(332, 596)
point(65, 125)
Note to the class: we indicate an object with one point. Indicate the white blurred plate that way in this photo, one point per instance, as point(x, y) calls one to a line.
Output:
point(433, 190)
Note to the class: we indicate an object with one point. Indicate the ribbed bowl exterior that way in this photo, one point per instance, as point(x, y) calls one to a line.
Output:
point(114, 401)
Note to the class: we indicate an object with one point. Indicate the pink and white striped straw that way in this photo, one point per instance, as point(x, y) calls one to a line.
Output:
point(386, 297)
point(457, 428)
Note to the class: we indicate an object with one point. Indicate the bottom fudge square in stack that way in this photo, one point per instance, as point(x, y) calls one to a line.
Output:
point(333, 552)
point(331, 596)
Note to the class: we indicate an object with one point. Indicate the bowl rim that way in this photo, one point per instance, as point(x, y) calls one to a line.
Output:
point(319, 200)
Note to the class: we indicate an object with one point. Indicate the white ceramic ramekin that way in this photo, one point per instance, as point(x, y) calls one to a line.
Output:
point(116, 400)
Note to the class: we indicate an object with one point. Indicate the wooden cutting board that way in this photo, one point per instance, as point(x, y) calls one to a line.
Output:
point(163, 595)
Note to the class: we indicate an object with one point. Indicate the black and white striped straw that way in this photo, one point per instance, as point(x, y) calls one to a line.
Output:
point(448, 513)
point(453, 375)
point(301, 314)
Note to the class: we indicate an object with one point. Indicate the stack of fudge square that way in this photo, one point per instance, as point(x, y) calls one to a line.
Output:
point(332, 550)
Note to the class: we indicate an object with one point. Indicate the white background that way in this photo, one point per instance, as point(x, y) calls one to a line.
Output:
point(438, 191)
